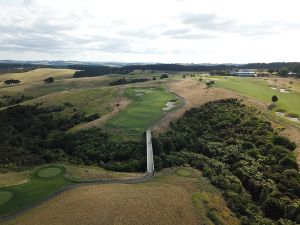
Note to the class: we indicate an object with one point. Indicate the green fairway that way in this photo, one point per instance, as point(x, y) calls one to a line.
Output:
point(145, 109)
point(17, 197)
point(261, 90)
point(5, 196)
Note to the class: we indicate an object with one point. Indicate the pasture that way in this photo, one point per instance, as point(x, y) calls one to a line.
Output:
point(38, 75)
point(144, 110)
point(169, 199)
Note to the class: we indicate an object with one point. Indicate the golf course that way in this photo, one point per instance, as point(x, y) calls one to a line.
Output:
point(77, 133)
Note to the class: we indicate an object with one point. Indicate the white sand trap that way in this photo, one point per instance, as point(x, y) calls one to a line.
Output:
point(294, 119)
point(279, 113)
point(284, 90)
point(273, 88)
point(169, 105)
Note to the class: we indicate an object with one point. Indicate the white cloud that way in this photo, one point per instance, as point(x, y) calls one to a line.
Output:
point(150, 31)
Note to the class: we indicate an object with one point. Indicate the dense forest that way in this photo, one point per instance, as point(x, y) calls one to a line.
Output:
point(15, 68)
point(127, 81)
point(241, 154)
point(93, 71)
point(39, 138)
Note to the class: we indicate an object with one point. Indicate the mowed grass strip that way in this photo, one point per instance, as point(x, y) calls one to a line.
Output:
point(37, 188)
point(145, 109)
point(261, 90)
point(5, 196)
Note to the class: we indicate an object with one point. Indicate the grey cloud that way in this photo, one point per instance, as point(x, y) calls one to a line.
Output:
point(213, 23)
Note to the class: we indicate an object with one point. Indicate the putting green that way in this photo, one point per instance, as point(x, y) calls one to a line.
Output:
point(5, 196)
point(184, 172)
point(49, 172)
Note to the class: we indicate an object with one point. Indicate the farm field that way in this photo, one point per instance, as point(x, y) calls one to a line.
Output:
point(176, 196)
point(145, 108)
point(38, 75)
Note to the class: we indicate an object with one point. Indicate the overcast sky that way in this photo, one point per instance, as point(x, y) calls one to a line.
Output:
point(186, 31)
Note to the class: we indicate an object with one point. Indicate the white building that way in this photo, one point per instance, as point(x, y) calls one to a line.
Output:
point(243, 73)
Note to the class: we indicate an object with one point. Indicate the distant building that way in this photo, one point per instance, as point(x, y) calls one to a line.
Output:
point(243, 73)
point(291, 73)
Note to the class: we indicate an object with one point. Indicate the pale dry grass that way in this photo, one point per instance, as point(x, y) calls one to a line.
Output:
point(167, 200)
point(38, 75)
point(13, 178)
point(285, 83)
point(115, 205)
point(95, 173)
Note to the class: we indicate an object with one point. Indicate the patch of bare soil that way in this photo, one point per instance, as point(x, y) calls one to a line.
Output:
point(116, 205)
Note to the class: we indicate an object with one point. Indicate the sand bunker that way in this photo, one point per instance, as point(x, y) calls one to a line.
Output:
point(273, 88)
point(280, 113)
point(284, 90)
point(169, 105)
point(294, 119)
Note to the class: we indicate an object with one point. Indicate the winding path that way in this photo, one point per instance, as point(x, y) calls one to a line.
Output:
point(146, 177)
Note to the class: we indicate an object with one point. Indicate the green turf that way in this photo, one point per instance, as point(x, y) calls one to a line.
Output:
point(5, 196)
point(184, 172)
point(49, 172)
point(144, 110)
point(260, 89)
point(88, 101)
point(37, 188)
